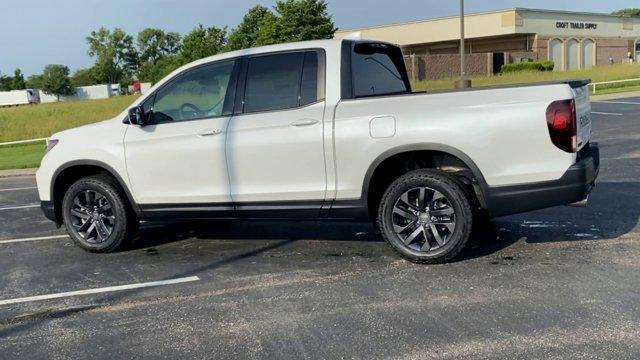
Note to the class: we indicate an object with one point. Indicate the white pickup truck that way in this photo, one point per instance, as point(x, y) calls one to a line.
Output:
point(322, 130)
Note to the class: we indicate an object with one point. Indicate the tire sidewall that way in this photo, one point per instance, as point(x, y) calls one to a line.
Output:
point(118, 233)
point(451, 190)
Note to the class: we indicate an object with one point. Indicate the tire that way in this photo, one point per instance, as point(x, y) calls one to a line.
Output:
point(434, 229)
point(96, 200)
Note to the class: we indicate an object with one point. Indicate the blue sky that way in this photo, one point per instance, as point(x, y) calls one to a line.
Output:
point(37, 32)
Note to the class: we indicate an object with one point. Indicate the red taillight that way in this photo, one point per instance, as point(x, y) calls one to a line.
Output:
point(561, 121)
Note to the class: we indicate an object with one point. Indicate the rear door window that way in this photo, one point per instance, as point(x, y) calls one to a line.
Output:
point(273, 82)
point(378, 69)
point(281, 81)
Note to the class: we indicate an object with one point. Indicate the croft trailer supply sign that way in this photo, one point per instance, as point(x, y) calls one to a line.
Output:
point(576, 25)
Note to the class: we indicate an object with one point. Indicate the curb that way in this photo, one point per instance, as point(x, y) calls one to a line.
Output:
point(620, 95)
point(17, 172)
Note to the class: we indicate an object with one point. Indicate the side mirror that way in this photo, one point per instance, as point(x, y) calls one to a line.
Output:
point(137, 116)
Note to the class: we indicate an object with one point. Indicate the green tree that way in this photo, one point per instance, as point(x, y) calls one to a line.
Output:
point(246, 34)
point(115, 54)
point(153, 73)
point(296, 20)
point(55, 81)
point(83, 77)
point(34, 82)
point(18, 83)
point(628, 12)
point(202, 42)
point(6, 83)
point(154, 44)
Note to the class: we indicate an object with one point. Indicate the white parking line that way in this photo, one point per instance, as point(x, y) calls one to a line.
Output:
point(99, 290)
point(618, 102)
point(9, 241)
point(19, 207)
point(16, 189)
point(604, 113)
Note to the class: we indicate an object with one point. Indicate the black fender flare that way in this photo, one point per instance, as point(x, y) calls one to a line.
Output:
point(136, 208)
point(480, 185)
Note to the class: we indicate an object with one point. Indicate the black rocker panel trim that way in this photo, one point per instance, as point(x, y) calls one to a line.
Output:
point(243, 210)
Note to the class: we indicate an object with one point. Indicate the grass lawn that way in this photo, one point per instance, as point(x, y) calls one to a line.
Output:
point(21, 157)
point(596, 74)
point(43, 120)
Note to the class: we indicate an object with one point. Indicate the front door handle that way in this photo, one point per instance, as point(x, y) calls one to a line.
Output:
point(304, 122)
point(209, 132)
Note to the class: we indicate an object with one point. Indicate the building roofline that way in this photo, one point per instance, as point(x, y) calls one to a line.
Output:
point(590, 13)
point(517, 9)
point(424, 20)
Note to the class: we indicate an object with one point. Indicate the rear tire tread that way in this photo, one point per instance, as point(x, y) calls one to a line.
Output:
point(458, 194)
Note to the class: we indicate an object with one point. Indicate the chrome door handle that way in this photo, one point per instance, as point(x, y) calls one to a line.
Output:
point(209, 132)
point(304, 122)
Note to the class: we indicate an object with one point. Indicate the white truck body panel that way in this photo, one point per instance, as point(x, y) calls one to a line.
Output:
point(14, 97)
point(181, 156)
point(262, 157)
point(485, 124)
point(100, 142)
point(256, 168)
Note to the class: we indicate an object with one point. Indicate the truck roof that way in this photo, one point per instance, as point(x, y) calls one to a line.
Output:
point(265, 49)
point(323, 44)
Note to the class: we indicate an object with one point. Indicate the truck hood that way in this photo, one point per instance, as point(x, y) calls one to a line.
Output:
point(90, 132)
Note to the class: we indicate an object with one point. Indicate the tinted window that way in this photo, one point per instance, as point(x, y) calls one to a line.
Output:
point(273, 82)
point(199, 93)
point(309, 85)
point(378, 69)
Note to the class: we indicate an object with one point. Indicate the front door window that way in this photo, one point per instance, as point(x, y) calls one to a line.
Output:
point(199, 93)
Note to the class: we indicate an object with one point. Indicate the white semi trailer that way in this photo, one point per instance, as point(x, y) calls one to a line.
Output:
point(92, 92)
point(19, 97)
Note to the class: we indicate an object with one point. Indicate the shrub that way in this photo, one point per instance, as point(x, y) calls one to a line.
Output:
point(546, 65)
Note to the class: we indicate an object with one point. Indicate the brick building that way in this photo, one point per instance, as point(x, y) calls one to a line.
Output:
point(573, 40)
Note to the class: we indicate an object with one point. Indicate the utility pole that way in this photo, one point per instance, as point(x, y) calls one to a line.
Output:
point(462, 82)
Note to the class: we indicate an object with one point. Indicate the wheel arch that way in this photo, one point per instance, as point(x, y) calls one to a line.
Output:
point(71, 171)
point(476, 178)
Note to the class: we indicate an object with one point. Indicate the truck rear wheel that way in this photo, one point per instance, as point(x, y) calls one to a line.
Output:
point(425, 216)
point(96, 214)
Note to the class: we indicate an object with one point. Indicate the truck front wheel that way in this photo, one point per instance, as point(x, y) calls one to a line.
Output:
point(96, 214)
point(425, 216)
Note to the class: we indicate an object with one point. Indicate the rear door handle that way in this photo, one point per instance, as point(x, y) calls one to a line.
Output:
point(304, 122)
point(209, 132)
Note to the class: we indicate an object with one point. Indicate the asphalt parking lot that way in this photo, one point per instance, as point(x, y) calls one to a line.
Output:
point(557, 283)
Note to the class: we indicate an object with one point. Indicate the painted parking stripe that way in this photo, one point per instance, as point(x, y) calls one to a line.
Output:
point(99, 290)
point(19, 207)
point(604, 113)
point(618, 102)
point(16, 189)
point(9, 241)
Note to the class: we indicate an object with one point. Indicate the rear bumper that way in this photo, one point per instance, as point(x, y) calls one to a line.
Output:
point(572, 187)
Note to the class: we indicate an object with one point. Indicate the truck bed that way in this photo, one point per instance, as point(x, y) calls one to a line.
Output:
point(576, 83)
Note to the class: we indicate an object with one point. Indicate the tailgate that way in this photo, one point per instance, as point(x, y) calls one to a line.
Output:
point(583, 113)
